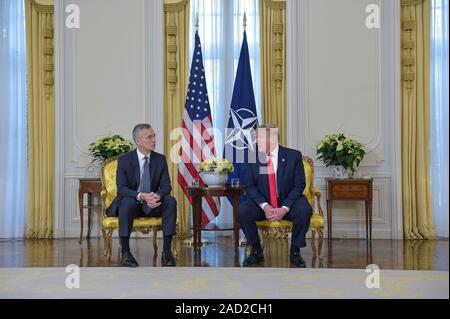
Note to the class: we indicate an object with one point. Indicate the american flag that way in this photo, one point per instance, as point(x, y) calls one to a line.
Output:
point(197, 142)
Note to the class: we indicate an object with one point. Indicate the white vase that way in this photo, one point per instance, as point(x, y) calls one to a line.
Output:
point(338, 171)
point(214, 179)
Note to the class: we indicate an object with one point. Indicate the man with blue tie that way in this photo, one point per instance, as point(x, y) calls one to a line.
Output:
point(275, 185)
point(143, 190)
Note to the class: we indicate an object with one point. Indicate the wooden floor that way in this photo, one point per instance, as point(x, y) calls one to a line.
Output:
point(339, 253)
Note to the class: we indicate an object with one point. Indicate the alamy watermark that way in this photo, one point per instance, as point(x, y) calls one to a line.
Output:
point(73, 17)
point(373, 279)
point(73, 279)
point(373, 17)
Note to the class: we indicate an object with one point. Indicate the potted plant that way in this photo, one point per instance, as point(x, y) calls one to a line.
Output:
point(109, 146)
point(342, 153)
point(214, 171)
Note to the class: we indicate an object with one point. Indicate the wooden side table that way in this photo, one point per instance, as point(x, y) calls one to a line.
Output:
point(197, 193)
point(88, 186)
point(350, 189)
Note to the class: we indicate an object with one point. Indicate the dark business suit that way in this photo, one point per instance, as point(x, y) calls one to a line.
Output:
point(290, 184)
point(126, 206)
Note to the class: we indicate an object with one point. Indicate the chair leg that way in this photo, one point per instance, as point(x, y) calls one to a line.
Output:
point(320, 233)
point(105, 242)
point(109, 232)
point(313, 246)
point(313, 241)
point(110, 243)
point(155, 258)
point(155, 246)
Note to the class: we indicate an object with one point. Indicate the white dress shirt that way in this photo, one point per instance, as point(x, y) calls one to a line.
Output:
point(274, 159)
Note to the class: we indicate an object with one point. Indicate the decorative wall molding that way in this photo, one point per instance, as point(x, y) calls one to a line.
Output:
point(295, 35)
point(58, 229)
point(395, 122)
point(72, 152)
point(383, 159)
point(375, 145)
point(80, 151)
point(154, 100)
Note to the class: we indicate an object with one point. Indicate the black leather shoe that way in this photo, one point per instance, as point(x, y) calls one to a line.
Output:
point(128, 260)
point(297, 260)
point(167, 259)
point(255, 257)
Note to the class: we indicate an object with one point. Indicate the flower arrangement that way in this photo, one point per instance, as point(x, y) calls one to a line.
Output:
point(216, 165)
point(109, 146)
point(336, 149)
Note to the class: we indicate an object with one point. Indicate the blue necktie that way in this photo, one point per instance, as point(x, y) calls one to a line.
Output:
point(146, 184)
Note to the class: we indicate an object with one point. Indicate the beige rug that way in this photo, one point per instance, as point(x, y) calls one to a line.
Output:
point(206, 283)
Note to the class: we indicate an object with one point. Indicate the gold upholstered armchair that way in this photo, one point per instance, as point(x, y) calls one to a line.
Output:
point(144, 225)
point(282, 228)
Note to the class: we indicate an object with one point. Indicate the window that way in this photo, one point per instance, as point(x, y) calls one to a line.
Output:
point(439, 115)
point(221, 35)
point(13, 121)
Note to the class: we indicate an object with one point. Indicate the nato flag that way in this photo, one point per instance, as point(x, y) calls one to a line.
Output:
point(241, 129)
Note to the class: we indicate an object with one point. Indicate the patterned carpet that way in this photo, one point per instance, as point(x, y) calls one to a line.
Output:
point(230, 283)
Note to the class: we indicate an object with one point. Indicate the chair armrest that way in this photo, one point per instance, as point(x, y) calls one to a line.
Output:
point(317, 194)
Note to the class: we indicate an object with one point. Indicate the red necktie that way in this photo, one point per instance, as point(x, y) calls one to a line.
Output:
point(272, 183)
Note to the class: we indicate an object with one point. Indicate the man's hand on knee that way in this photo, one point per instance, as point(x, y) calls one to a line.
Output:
point(268, 211)
point(278, 213)
point(154, 200)
point(155, 197)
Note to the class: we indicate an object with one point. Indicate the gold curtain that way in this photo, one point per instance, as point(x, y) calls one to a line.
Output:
point(41, 118)
point(176, 15)
point(415, 33)
point(273, 67)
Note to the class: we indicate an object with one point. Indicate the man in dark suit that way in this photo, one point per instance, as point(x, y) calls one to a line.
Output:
point(275, 185)
point(143, 190)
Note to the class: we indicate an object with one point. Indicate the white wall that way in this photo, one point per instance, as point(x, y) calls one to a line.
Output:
point(110, 77)
point(344, 77)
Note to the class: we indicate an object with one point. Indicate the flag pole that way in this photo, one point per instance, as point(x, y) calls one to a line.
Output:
point(196, 23)
point(245, 21)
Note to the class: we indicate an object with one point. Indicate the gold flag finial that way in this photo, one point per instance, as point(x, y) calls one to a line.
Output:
point(196, 22)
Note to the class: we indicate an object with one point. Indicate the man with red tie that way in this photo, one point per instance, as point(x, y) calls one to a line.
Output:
point(275, 185)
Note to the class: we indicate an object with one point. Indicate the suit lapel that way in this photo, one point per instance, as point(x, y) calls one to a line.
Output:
point(280, 169)
point(137, 168)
